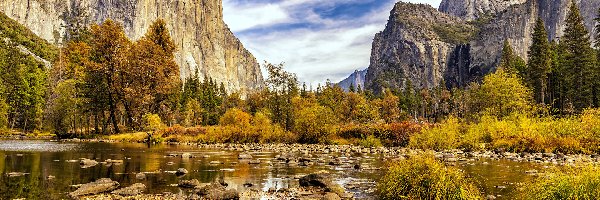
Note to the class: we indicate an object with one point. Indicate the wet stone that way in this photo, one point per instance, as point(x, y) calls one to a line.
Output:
point(132, 190)
point(99, 186)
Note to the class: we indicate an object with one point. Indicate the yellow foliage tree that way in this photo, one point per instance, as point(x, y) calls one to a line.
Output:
point(501, 94)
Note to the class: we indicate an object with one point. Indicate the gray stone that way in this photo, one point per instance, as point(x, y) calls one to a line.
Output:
point(96, 187)
point(87, 163)
point(188, 183)
point(132, 190)
point(217, 191)
point(140, 176)
point(244, 156)
point(181, 171)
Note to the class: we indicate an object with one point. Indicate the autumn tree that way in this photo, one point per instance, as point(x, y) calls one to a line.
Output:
point(151, 78)
point(104, 74)
point(65, 111)
point(539, 62)
point(500, 95)
point(312, 122)
point(283, 87)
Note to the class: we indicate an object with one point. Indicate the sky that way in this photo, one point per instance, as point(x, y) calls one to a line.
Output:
point(319, 40)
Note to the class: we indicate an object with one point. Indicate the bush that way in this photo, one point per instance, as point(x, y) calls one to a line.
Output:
point(443, 136)
point(370, 142)
point(422, 177)
point(515, 133)
point(570, 183)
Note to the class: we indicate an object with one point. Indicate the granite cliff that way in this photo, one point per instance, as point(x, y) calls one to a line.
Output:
point(460, 42)
point(203, 40)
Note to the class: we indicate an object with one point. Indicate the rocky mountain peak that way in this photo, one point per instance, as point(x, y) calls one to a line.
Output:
point(474, 9)
point(204, 42)
point(462, 41)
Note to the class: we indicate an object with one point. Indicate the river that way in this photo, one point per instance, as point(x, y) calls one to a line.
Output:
point(51, 168)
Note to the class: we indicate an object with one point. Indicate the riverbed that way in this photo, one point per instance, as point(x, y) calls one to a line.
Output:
point(44, 169)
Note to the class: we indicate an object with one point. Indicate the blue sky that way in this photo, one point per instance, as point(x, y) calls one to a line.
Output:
point(316, 39)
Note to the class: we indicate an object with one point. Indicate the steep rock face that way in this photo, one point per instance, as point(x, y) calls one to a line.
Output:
point(203, 41)
point(473, 9)
point(415, 46)
point(516, 25)
point(355, 79)
point(404, 53)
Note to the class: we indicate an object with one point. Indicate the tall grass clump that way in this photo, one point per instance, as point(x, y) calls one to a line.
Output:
point(569, 183)
point(422, 177)
point(515, 133)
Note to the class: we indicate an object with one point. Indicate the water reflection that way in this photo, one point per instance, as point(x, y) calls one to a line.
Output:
point(41, 159)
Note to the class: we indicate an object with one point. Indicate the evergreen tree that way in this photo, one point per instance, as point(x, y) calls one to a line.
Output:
point(510, 62)
point(352, 89)
point(539, 62)
point(578, 61)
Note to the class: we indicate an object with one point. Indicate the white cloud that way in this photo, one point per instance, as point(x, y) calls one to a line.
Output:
point(332, 51)
point(243, 17)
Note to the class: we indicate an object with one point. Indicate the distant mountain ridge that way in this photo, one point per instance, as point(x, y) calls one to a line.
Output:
point(355, 79)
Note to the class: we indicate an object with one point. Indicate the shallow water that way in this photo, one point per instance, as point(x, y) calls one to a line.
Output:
point(40, 159)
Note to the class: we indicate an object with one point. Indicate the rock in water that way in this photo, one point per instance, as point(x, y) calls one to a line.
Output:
point(140, 176)
point(323, 182)
point(100, 186)
point(188, 183)
point(181, 172)
point(86, 163)
point(186, 155)
point(132, 190)
point(244, 156)
point(217, 191)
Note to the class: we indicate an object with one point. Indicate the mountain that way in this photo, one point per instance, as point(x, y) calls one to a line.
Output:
point(355, 79)
point(203, 40)
point(23, 47)
point(460, 42)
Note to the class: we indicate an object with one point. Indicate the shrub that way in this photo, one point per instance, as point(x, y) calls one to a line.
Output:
point(568, 183)
point(422, 177)
point(174, 130)
point(370, 142)
point(443, 136)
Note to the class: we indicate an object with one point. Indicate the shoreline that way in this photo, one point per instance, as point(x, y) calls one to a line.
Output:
point(448, 156)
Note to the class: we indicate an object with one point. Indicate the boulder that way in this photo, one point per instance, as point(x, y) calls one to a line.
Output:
point(244, 156)
point(217, 191)
point(189, 183)
point(322, 182)
point(186, 155)
point(86, 163)
point(331, 196)
point(132, 190)
point(97, 187)
point(140, 176)
point(181, 172)
point(254, 162)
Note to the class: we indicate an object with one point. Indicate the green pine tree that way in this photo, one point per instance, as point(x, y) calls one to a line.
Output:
point(539, 62)
point(578, 61)
point(510, 62)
